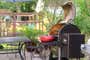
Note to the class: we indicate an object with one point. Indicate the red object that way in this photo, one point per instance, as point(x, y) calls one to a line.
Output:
point(46, 38)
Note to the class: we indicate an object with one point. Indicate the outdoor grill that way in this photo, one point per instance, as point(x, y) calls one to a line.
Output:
point(69, 40)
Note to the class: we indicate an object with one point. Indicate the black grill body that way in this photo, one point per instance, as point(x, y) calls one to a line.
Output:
point(71, 39)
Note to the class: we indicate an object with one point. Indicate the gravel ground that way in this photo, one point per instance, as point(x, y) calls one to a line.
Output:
point(16, 56)
point(9, 57)
point(28, 56)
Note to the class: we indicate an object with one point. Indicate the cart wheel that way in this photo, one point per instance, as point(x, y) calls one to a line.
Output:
point(22, 52)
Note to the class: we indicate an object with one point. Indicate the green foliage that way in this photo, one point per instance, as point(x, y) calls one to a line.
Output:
point(28, 6)
point(31, 33)
point(82, 20)
point(23, 6)
point(7, 5)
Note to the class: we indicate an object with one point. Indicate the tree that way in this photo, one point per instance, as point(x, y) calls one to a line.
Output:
point(28, 6)
point(83, 16)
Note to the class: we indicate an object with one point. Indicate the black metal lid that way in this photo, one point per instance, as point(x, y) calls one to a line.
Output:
point(69, 28)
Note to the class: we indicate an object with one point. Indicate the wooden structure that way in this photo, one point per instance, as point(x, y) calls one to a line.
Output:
point(15, 21)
